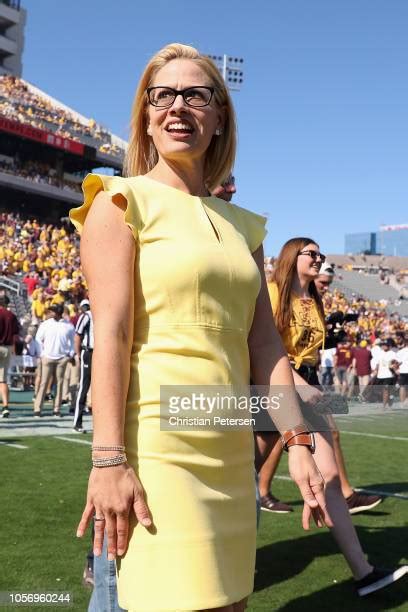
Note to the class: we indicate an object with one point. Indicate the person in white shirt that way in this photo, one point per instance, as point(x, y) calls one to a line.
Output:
point(383, 363)
point(56, 337)
point(402, 358)
point(375, 351)
point(326, 362)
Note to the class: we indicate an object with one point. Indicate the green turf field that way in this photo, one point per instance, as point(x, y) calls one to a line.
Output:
point(43, 491)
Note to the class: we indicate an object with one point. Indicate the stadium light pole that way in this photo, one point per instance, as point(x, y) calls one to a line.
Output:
point(231, 69)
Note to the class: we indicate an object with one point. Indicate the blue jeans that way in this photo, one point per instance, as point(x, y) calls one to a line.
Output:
point(104, 595)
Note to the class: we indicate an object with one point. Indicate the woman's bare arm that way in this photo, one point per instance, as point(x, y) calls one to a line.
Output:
point(270, 366)
point(108, 252)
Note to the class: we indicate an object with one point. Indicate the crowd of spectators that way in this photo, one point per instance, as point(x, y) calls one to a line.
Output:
point(37, 172)
point(373, 320)
point(20, 103)
point(367, 348)
point(46, 258)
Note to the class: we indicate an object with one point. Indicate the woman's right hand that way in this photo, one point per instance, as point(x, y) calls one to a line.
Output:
point(309, 394)
point(113, 492)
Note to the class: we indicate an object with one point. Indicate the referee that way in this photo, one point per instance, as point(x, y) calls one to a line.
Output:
point(84, 344)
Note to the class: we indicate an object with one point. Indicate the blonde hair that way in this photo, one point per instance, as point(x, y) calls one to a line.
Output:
point(142, 156)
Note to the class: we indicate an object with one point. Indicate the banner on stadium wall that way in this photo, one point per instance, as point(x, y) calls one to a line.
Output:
point(393, 228)
point(33, 133)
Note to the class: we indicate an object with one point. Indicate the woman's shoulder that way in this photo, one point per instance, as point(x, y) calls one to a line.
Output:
point(120, 189)
point(107, 181)
point(252, 225)
point(248, 214)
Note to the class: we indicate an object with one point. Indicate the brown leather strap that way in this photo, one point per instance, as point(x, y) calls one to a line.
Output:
point(287, 435)
point(304, 439)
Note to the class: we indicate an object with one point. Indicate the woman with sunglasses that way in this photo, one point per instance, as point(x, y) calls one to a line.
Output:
point(299, 317)
point(178, 295)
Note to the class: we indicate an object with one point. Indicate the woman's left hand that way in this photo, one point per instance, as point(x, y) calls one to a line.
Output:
point(304, 472)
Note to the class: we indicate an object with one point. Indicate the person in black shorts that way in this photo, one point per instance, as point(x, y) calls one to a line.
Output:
point(84, 343)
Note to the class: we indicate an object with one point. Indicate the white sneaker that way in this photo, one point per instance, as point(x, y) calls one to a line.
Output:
point(379, 578)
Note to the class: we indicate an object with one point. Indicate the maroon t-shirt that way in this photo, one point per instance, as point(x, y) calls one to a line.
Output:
point(363, 359)
point(9, 327)
point(343, 354)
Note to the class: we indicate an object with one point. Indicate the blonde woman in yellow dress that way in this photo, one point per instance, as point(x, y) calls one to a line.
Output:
point(178, 295)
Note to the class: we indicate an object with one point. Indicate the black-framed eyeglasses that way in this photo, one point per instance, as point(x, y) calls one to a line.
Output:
point(314, 255)
point(163, 97)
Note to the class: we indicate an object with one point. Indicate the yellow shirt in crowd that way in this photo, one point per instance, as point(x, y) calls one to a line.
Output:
point(38, 308)
point(305, 335)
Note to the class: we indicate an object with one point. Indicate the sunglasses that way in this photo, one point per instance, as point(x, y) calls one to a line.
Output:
point(314, 255)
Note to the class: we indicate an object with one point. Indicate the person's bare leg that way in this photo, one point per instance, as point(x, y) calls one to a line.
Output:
point(403, 394)
point(4, 391)
point(343, 528)
point(386, 396)
point(270, 465)
point(346, 487)
point(264, 442)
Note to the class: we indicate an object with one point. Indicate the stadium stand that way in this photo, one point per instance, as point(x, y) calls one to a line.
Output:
point(46, 149)
point(370, 263)
point(369, 286)
point(22, 102)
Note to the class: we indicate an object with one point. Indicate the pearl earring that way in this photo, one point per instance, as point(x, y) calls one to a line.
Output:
point(218, 132)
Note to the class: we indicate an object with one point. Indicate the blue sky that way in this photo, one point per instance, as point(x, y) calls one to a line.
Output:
point(322, 114)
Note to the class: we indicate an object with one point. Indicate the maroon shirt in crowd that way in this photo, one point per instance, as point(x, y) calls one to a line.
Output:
point(343, 355)
point(362, 356)
point(9, 327)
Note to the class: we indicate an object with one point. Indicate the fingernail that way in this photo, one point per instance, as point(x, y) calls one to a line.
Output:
point(146, 522)
point(78, 534)
point(111, 557)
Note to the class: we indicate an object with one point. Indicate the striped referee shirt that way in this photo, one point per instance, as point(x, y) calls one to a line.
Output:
point(84, 328)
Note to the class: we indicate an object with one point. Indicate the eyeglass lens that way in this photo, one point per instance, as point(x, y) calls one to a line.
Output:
point(194, 96)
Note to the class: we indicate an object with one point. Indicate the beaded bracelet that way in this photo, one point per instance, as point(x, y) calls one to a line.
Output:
point(109, 461)
point(116, 447)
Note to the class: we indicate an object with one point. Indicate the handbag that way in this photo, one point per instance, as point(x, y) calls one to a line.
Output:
point(332, 403)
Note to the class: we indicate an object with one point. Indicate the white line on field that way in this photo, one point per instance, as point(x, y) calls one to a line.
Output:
point(371, 491)
point(73, 440)
point(382, 493)
point(12, 444)
point(371, 435)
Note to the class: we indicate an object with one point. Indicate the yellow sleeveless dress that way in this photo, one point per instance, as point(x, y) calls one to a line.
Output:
point(196, 284)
